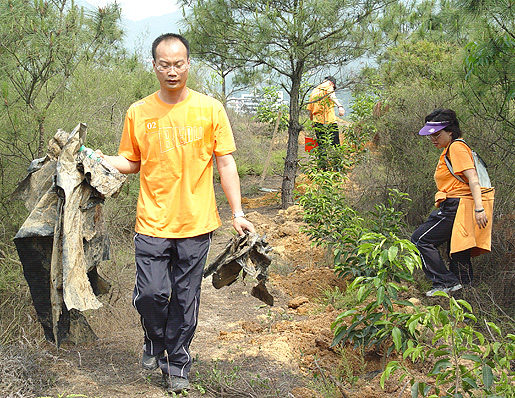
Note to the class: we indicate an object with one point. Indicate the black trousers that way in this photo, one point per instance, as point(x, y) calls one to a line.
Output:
point(327, 135)
point(167, 296)
point(325, 131)
point(430, 235)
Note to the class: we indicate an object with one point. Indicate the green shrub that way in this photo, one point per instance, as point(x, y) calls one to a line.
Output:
point(392, 262)
point(329, 221)
point(380, 261)
point(383, 219)
point(465, 363)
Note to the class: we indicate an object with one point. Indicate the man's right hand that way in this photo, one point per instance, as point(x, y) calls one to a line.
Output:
point(122, 164)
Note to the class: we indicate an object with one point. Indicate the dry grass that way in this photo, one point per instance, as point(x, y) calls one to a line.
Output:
point(250, 377)
point(18, 319)
point(253, 141)
point(21, 373)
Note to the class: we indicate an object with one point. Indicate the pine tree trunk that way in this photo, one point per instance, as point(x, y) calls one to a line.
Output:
point(294, 127)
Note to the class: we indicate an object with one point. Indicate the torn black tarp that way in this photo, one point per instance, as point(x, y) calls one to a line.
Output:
point(64, 238)
point(249, 254)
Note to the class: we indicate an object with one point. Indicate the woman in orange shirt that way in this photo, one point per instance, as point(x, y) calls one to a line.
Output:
point(463, 214)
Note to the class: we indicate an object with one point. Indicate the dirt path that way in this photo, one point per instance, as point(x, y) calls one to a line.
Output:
point(241, 343)
point(229, 336)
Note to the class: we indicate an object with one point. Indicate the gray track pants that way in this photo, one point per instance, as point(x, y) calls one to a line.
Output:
point(167, 296)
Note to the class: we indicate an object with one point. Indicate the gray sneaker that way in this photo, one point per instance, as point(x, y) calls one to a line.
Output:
point(175, 384)
point(149, 362)
point(455, 288)
point(447, 290)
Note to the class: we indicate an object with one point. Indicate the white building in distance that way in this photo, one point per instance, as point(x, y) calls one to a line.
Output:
point(248, 103)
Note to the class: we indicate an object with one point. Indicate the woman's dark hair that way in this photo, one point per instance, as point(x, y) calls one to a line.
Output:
point(446, 115)
point(170, 36)
point(332, 80)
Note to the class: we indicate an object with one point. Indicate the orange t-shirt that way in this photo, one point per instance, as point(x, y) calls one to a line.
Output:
point(323, 110)
point(461, 159)
point(465, 232)
point(175, 145)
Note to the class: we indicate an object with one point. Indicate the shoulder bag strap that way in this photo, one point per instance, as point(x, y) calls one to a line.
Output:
point(448, 161)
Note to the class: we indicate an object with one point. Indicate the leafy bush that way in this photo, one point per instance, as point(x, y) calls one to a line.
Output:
point(392, 262)
point(465, 362)
point(378, 259)
point(383, 219)
point(330, 222)
point(381, 262)
point(370, 251)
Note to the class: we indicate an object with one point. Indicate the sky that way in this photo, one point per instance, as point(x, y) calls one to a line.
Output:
point(136, 10)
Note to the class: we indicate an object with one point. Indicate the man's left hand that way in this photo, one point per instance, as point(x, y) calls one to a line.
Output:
point(241, 224)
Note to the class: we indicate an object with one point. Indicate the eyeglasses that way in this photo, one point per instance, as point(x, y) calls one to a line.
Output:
point(177, 68)
point(434, 137)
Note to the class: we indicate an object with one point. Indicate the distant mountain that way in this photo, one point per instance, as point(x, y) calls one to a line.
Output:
point(139, 35)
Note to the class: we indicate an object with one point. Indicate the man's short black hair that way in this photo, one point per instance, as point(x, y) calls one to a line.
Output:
point(170, 36)
point(332, 80)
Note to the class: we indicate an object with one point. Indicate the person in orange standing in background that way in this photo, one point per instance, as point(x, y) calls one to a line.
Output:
point(321, 110)
point(464, 212)
point(170, 138)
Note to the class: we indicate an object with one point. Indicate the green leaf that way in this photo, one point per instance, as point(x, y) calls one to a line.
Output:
point(407, 352)
point(405, 303)
point(397, 338)
point(391, 367)
point(488, 377)
point(414, 390)
point(470, 316)
point(426, 390)
point(439, 366)
point(495, 327)
point(465, 304)
point(380, 294)
point(471, 382)
point(472, 357)
point(383, 257)
point(361, 291)
point(392, 253)
point(440, 352)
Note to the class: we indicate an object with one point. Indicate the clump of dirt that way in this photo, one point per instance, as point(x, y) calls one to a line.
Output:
point(268, 199)
point(291, 247)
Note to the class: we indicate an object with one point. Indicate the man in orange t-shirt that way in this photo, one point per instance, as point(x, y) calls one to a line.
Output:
point(170, 138)
point(321, 110)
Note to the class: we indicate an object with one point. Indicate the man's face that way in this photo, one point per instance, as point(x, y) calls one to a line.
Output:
point(171, 65)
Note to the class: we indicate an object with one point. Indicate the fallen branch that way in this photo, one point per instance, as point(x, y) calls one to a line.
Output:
point(341, 388)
